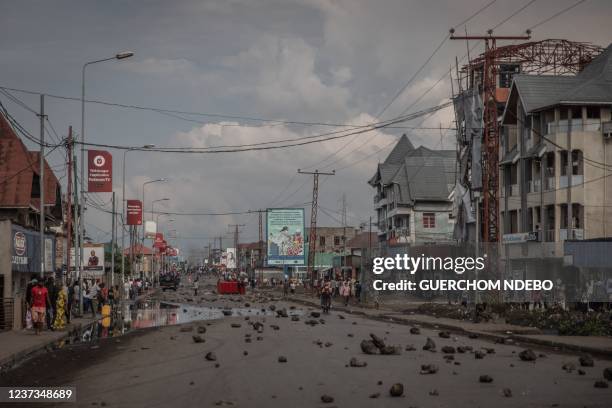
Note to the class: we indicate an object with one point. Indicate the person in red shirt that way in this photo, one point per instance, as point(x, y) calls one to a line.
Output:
point(40, 299)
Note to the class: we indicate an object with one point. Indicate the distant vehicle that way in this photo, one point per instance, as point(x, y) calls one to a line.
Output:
point(169, 282)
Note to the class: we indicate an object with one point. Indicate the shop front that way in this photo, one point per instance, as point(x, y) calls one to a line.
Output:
point(21, 261)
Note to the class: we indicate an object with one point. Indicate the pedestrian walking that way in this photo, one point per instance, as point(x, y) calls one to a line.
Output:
point(357, 291)
point(345, 292)
point(196, 284)
point(40, 300)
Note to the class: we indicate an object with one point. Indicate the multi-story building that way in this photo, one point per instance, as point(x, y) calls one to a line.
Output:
point(555, 162)
point(414, 195)
point(20, 243)
point(333, 239)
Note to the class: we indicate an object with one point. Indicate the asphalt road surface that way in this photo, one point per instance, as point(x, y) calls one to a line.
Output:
point(164, 367)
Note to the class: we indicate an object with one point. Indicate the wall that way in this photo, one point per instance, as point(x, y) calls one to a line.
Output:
point(5, 256)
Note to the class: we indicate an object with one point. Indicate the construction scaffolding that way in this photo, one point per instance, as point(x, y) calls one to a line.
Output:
point(483, 85)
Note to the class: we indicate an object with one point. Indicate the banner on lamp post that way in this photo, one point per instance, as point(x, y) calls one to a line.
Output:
point(159, 240)
point(134, 212)
point(150, 230)
point(100, 174)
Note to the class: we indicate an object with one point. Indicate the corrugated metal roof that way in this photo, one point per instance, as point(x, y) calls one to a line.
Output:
point(426, 175)
point(541, 91)
point(403, 147)
point(17, 169)
point(592, 85)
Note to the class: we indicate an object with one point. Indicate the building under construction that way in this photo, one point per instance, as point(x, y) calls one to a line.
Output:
point(480, 95)
point(534, 127)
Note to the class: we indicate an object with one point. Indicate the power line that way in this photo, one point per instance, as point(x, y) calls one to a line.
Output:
point(257, 147)
point(529, 3)
point(181, 112)
point(556, 14)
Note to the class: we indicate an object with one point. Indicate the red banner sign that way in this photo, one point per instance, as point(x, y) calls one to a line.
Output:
point(159, 240)
point(134, 212)
point(100, 175)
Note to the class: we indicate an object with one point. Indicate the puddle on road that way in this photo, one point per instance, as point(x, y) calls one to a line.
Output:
point(152, 313)
point(156, 313)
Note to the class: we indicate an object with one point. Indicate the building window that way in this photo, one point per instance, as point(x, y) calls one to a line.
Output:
point(336, 241)
point(429, 220)
point(322, 241)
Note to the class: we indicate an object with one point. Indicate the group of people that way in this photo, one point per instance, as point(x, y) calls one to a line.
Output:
point(344, 289)
point(52, 303)
point(135, 287)
point(48, 304)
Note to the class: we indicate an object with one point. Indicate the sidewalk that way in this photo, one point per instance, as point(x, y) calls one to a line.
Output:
point(19, 344)
point(596, 345)
point(16, 345)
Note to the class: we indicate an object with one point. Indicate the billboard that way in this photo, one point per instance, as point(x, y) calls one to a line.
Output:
point(100, 174)
point(134, 212)
point(230, 261)
point(150, 229)
point(285, 236)
point(93, 259)
point(25, 250)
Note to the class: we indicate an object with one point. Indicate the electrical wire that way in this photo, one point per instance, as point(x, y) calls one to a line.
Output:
point(546, 20)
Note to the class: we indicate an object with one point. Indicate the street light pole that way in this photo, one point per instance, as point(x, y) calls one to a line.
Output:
point(124, 212)
point(81, 213)
point(143, 208)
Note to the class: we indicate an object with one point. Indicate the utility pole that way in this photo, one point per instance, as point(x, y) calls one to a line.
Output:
point(312, 236)
point(113, 244)
point(69, 203)
point(343, 257)
point(260, 242)
point(41, 186)
point(236, 226)
point(490, 159)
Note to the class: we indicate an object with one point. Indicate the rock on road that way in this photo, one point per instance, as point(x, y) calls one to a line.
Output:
point(165, 367)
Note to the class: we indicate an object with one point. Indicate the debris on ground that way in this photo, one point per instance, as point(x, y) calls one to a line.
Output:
point(586, 360)
point(430, 345)
point(396, 390)
point(327, 399)
point(527, 355)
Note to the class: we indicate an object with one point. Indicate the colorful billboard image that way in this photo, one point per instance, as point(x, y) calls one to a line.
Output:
point(93, 260)
point(230, 261)
point(285, 236)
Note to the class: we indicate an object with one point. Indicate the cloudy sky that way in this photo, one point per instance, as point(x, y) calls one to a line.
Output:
point(333, 61)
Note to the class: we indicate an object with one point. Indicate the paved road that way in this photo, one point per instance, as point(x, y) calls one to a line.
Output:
point(163, 367)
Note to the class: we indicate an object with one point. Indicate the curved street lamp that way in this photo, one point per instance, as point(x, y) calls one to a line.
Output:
point(81, 215)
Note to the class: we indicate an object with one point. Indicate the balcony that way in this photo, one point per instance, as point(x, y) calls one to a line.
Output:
point(575, 234)
point(549, 183)
point(514, 190)
point(592, 125)
point(577, 125)
point(549, 235)
point(577, 179)
point(534, 186)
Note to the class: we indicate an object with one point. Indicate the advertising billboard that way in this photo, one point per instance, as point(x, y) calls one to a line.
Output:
point(25, 251)
point(230, 261)
point(285, 236)
point(100, 174)
point(150, 229)
point(93, 259)
point(134, 212)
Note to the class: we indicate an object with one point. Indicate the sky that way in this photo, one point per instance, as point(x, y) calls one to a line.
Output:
point(323, 61)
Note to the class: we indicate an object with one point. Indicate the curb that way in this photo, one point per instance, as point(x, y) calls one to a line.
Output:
point(19, 357)
point(516, 338)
